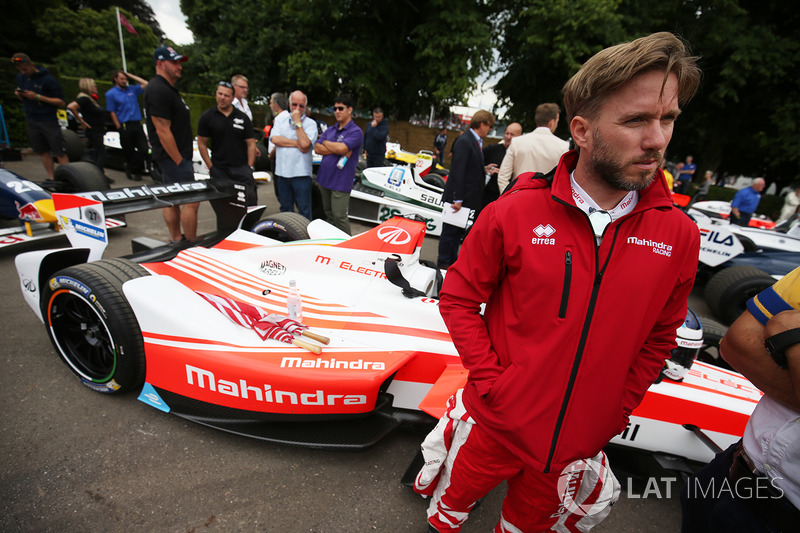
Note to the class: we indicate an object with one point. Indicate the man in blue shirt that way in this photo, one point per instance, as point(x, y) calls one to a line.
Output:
point(686, 175)
point(123, 103)
point(745, 202)
point(294, 135)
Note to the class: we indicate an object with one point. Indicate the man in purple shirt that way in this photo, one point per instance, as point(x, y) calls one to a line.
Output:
point(339, 147)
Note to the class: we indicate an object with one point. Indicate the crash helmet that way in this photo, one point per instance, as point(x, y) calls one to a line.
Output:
point(690, 340)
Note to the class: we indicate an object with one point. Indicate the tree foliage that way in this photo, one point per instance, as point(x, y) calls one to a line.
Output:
point(401, 56)
point(744, 119)
point(139, 8)
point(85, 43)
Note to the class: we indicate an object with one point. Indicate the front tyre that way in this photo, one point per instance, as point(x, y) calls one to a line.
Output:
point(92, 326)
point(283, 227)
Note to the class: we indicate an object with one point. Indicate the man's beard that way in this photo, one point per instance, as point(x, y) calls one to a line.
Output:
point(612, 170)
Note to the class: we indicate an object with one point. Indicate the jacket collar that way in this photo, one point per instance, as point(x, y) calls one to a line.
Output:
point(655, 195)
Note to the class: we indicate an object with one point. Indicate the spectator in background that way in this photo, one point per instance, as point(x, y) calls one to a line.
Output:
point(686, 174)
point(233, 143)
point(745, 202)
point(169, 129)
point(41, 96)
point(337, 145)
point(375, 139)
point(705, 186)
point(240, 88)
point(278, 104)
point(493, 156)
point(439, 142)
point(294, 140)
point(122, 100)
point(465, 183)
point(86, 108)
point(537, 151)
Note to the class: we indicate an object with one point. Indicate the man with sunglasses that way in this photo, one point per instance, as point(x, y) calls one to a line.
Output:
point(293, 135)
point(240, 88)
point(41, 96)
point(232, 141)
point(169, 129)
point(339, 147)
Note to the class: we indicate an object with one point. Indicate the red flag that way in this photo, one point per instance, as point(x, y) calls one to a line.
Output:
point(128, 25)
point(250, 316)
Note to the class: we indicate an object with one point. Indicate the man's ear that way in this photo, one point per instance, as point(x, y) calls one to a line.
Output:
point(580, 130)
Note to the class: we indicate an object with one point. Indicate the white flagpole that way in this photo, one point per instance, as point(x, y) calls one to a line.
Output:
point(121, 44)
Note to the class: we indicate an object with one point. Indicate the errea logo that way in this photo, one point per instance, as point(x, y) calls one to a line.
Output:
point(543, 233)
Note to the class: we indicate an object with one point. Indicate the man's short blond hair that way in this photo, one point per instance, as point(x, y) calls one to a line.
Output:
point(612, 67)
point(545, 113)
point(481, 117)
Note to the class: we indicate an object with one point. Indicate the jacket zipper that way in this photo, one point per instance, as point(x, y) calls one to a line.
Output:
point(562, 310)
point(584, 333)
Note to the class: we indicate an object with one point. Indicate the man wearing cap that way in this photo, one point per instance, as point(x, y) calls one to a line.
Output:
point(122, 101)
point(41, 97)
point(170, 132)
point(232, 142)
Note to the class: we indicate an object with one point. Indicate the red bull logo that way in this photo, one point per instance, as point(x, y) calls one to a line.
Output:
point(28, 212)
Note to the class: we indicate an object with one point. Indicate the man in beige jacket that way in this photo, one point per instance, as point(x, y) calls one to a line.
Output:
point(537, 151)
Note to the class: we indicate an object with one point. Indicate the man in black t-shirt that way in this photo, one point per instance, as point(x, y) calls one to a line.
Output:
point(170, 131)
point(233, 145)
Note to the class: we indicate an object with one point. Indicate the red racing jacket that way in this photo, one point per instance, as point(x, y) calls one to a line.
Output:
point(573, 332)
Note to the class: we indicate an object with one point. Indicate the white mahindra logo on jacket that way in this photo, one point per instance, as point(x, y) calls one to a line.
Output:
point(543, 234)
point(658, 247)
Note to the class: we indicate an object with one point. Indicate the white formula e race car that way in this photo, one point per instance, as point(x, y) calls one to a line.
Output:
point(400, 190)
point(191, 332)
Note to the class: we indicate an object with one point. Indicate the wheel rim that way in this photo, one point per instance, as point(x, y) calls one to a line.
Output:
point(82, 336)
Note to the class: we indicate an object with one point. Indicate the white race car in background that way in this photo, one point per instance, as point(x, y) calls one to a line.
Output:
point(785, 236)
point(400, 190)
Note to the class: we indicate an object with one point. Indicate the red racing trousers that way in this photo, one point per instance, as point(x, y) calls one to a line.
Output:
point(533, 502)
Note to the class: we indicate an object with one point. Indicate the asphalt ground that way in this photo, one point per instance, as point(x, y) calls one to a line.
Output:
point(75, 460)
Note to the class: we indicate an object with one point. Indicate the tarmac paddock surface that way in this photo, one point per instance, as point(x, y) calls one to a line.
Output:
point(72, 459)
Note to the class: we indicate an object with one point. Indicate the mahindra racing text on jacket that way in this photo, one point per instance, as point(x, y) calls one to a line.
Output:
point(573, 333)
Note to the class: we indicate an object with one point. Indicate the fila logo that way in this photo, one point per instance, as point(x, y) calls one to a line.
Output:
point(394, 235)
point(543, 234)
point(544, 231)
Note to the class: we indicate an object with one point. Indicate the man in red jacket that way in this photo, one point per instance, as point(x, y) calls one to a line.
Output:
point(585, 274)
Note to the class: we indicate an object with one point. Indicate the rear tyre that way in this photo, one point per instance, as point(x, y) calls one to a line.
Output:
point(92, 326)
point(80, 177)
point(317, 211)
point(434, 179)
point(284, 227)
point(727, 291)
point(73, 144)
